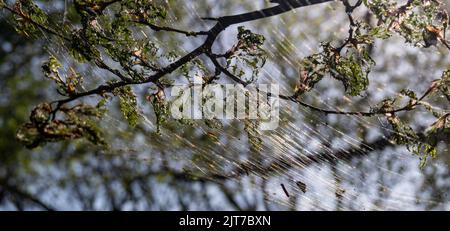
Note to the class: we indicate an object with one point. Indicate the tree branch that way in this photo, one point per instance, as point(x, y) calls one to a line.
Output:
point(25, 195)
point(294, 98)
point(222, 24)
point(170, 29)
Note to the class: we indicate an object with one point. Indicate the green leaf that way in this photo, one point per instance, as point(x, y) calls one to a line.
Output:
point(30, 12)
point(247, 54)
point(82, 48)
point(128, 104)
point(76, 122)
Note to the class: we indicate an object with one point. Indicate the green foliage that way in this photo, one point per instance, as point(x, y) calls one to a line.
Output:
point(160, 107)
point(405, 135)
point(114, 32)
point(411, 19)
point(67, 83)
point(29, 10)
point(145, 10)
point(128, 104)
point(76, 122)
point(353, 71)
point(106, 31)
point(81, 47)
point(249, 41)
point(444, 85)
point(50, 68)
point(423, 144)
point(352, 68)
point(247, 53)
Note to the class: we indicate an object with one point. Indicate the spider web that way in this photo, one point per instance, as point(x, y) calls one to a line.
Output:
point(380, 178)
point(295, 168)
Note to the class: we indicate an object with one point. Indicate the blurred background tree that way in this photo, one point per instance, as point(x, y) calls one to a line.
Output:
point(322, 161)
